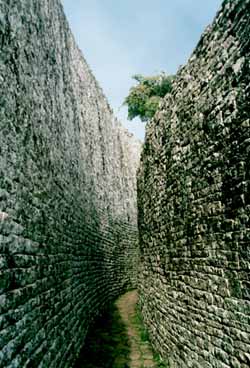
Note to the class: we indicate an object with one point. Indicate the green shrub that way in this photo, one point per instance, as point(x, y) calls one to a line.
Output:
point(144, 98)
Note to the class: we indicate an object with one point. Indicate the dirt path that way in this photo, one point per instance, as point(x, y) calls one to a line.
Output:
point(115, 341)
point(140, 352)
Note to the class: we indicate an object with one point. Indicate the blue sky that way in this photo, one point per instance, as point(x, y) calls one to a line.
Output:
point(120, 38)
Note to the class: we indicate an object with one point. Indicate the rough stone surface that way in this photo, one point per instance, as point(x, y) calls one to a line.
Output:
point(68, 231)
point(194, 204)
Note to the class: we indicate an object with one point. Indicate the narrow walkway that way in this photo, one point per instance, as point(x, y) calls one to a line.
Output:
point(115, 340)
point(141, 355)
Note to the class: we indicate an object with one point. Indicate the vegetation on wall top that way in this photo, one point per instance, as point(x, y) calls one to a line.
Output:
point(144, 98)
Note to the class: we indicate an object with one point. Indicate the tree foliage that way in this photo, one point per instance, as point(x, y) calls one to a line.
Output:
point(144, 98)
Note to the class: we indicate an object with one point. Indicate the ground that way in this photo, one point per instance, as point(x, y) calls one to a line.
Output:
point(116, 341)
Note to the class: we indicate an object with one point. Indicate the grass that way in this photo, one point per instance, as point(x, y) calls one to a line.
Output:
point(107, 344)
point(138, 323)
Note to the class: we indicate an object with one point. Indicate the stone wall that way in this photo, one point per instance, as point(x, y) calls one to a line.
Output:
point(68, 229)
point(194, 204)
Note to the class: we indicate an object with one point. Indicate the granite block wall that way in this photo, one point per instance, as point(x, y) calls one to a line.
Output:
point(194, 204)
point(68, 228)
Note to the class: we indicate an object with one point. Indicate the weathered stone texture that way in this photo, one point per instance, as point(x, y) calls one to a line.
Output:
point(68, 228)
point(194, 204)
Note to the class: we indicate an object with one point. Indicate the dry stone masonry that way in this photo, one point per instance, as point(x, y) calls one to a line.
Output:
point(68, 229)
point(194, 204)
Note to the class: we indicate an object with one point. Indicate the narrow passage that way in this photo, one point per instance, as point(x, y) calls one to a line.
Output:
point(115, 340)
point(141, 355)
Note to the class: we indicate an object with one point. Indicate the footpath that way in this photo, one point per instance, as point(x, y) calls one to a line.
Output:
point(116, 339)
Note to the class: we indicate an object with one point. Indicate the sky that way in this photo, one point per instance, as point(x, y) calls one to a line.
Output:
point(121, 38)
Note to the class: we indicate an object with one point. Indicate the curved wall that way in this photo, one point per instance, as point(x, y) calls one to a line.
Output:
point(194, 204)
point(68, 228)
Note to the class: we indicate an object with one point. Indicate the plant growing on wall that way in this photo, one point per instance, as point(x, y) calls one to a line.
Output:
point(144, 98)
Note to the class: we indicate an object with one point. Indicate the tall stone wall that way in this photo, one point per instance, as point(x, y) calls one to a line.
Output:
point(194, 204)
point(68, 230)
